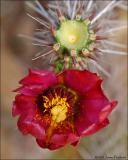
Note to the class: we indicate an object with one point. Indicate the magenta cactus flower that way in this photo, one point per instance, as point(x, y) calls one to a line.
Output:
point(61, 109)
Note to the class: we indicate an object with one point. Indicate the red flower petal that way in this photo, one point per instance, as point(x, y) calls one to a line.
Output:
point(58, 140)
point(44, 78)
point(42, 143)
point(23, 104)
point(95, 128)
point(75, 143)
point(106, 111)
point(94, 108)
point(80, 81)
point(30, 90)
point(27, 125)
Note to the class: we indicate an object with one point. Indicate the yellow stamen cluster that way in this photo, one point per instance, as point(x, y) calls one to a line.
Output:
point(58, 107)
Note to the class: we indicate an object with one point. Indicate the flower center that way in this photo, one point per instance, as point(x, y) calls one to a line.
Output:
point(59, 107)
point(58, 102)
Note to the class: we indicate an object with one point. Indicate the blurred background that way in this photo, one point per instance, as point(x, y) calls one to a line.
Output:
point(16, 55)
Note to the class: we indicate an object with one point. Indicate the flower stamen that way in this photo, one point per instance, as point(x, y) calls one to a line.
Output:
point(58, 107)
point(56, 102)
